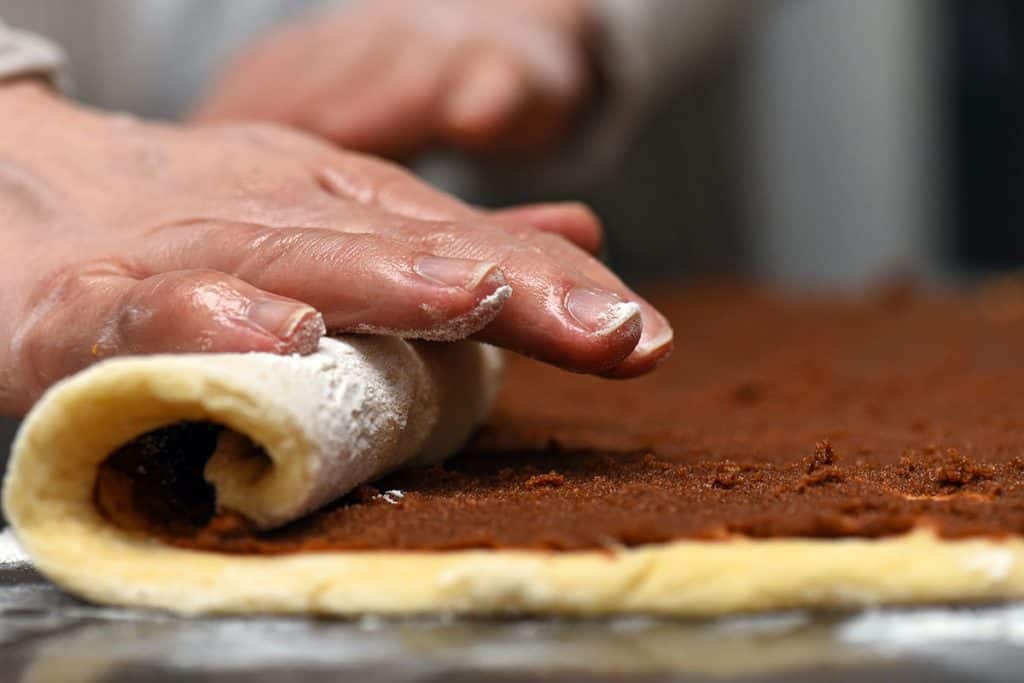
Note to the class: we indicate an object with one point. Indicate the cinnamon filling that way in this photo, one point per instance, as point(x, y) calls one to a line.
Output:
point(776, 417)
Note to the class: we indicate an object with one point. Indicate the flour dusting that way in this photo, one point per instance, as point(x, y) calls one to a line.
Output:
point(11, 553)
point(455, 329)
point(900, 630)
point(616, 316)
point(994, 564)
point(393, 496)
point(361, 406)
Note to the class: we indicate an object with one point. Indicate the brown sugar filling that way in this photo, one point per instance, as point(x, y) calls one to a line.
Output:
point(776, 417)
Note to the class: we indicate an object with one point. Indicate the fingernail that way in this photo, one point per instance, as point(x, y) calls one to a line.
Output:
point(283, 318)
point(457, 272)
point(600, 312)
point(654, 347)
point(657, 334)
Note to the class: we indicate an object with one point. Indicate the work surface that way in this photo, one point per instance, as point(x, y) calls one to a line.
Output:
point(46, 635)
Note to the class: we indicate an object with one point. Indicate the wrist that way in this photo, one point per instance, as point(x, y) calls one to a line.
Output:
point(24, 92)
point(25, 105)
point(36, 122)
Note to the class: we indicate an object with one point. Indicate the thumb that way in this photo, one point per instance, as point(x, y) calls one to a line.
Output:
point(91, 316)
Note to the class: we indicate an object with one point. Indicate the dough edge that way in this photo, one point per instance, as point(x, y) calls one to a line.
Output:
point(685, 579)
point(49, 504)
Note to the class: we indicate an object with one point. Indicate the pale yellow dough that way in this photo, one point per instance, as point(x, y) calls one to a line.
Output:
point(48, 499)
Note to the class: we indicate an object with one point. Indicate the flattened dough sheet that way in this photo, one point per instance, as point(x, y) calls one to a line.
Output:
point(354, 411)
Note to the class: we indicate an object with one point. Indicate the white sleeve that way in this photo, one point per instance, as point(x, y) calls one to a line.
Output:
point(27, 54)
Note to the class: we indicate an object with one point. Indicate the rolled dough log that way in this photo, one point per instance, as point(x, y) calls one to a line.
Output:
point(353, 411)
point(345, 415)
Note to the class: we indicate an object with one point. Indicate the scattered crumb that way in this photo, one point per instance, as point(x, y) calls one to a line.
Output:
point(825, 475)
point(824, 456)
point(549, 480)
point(727, 476)
point(958, 470)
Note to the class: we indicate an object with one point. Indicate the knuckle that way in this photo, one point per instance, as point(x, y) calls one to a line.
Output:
point(340, 183)
point(49, 339)
point(551, 243)
point(258, 131)
point(269, 133)
point(259, 249)
point(436, 236)
point(358, 176)
point(34, 351)
point(521, 249)
point(167, 291)
point(280, 139)
point(223, 243)
point(293, 250)
point(348, 250)
point(519, 230)
point(378, 172)
point(73, 279)
point(175, 301)
point(527, 243)
point(553, 249)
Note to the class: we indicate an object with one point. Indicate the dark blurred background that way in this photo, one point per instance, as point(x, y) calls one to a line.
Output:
point(986, 106)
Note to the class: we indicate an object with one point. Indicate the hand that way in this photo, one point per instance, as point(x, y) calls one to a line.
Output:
point(393, 77)
point(127, 237)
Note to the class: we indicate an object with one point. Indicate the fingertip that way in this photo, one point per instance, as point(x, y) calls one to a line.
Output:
point(604, 330)
point(580, 330)
point(468, 308)
point(655, 346)
point(244, 318)
point(304, 338)
point(449, 299)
